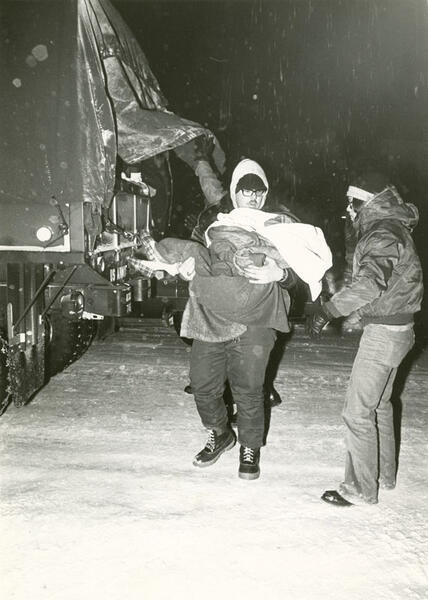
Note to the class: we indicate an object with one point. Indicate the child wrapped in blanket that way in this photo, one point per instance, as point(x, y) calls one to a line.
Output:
point(239, 238)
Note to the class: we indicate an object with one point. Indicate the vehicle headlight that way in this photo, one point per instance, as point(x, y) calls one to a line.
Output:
point(44, 234)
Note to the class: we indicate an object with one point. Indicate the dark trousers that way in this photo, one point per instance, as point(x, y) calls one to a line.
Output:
point(243, 362)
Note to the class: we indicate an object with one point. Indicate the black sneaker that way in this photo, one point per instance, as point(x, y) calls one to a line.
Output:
point(249, 459)
point(272, 397)
point(214, 448)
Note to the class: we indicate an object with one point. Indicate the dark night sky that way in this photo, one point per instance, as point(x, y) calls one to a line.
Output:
point(313, 89)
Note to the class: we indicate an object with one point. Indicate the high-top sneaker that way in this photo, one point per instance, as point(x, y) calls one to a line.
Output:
point(214, 448)
point(249, 459)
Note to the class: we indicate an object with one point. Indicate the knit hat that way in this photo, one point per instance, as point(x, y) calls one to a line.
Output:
point(367, 185)
point(248, 171)
point(251, 182)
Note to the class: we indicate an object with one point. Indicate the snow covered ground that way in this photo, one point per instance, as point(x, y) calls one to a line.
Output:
point(100, 499)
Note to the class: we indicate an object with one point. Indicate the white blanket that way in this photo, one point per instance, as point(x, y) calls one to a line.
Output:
point(302, 246)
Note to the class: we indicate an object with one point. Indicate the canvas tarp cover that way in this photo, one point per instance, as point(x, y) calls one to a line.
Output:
point(76, 89)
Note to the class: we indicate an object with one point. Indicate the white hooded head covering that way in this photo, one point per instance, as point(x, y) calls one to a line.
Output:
point(246, 167)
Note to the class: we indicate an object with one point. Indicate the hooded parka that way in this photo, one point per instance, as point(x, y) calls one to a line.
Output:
point(386, 283)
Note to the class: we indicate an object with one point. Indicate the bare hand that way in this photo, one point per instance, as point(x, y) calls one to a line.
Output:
point(268, 273)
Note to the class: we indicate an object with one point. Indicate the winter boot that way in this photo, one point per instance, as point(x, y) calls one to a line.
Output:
point(214, 448)
point(249, 459)
point(272, 397)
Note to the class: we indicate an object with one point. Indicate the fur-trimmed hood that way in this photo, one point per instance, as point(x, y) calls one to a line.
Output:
point(387, 205)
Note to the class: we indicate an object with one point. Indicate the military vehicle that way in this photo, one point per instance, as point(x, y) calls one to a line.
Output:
point(85, 169)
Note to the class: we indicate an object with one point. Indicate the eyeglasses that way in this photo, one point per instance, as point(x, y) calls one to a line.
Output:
point(249, 193)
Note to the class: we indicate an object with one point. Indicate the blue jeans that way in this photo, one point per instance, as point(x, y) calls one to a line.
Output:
point(368, 412)
point(243, 362)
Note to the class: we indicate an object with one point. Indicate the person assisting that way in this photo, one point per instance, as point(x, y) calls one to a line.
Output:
point(386, 291)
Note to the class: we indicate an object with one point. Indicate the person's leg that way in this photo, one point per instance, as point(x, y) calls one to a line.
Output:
point(367, 416)
point(247, 359)
point(402, 342)
point(246, 366)
point(272, 396)
point(207, 376)
point(386, 436)
point(366, 384)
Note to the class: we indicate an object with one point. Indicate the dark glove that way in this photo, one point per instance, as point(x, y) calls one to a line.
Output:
point(197, 149)
point(316, 321)
point(289, 279)
point(204, 147)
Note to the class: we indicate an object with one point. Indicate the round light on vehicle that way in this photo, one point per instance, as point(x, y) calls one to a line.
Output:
point(44, 234)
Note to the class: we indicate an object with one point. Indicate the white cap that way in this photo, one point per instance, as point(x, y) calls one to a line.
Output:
point(359, 194)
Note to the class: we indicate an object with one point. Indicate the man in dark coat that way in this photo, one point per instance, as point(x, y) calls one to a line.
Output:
point(224, 349)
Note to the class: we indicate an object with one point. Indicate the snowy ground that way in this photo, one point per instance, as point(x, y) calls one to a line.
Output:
point(100, 499)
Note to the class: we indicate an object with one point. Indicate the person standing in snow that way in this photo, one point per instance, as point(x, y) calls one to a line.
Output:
point(386, 290)
point(226, 350)
point(199, 154)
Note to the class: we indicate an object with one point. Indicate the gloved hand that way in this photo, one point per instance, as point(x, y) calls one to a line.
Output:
point(204, 147)
point(195, 150)
point(316, 321)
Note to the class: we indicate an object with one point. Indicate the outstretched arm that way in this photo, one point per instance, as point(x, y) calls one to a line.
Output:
point(211, 186)
point(375, 268)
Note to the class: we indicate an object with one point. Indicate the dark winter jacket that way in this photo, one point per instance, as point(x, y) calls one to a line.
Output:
point(387, 275)
point(205, 323)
